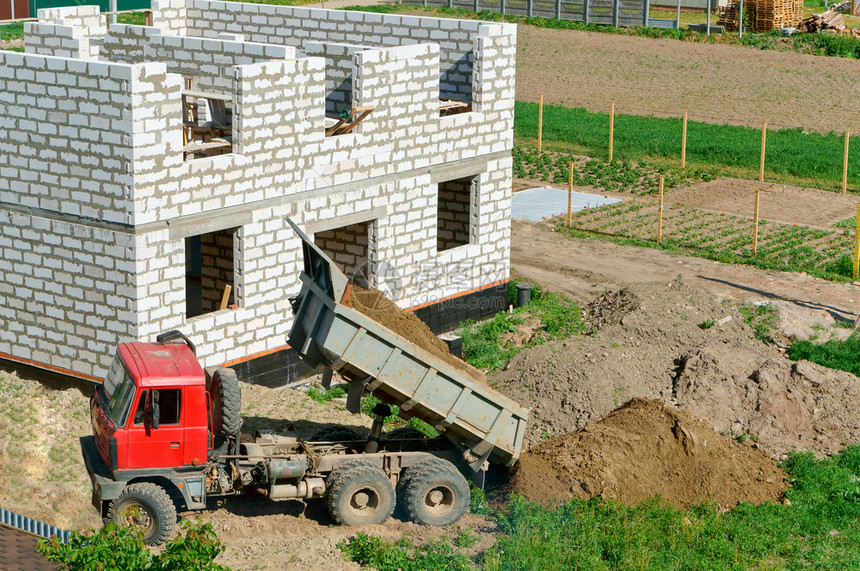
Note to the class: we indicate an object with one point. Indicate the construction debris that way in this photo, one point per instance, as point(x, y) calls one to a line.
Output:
point(842, 7)
point(826, 21)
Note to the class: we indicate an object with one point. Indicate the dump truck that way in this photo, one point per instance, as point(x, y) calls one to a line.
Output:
point(167, 433)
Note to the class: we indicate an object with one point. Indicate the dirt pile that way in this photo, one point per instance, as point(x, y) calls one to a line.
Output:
point(647, 448)
point(609, 308)
point(778, 404)
point(640, 331)
point(374, 304)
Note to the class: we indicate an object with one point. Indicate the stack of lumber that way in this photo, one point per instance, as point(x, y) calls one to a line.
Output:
point(729, 14)
point(762, 15)
point(830, 20)
point(775, 14)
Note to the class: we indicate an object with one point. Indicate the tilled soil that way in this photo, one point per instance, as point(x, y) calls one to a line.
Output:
point(714, 83)
point(647, 448)
point(777, 202)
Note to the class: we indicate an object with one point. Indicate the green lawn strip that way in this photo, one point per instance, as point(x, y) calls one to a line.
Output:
point(792, 154)
point(557, 317)
point(819, 528)
point(714, 236)
point(14, 31)
point(834, 354)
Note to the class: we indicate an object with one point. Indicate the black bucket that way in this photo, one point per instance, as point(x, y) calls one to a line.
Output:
point(524, 294)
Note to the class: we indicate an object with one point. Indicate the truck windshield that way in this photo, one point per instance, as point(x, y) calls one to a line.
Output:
point(117, 392)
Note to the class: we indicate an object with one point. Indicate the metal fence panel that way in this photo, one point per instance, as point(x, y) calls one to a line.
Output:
point(517, 7)
point(610, 12)
point(18, 521)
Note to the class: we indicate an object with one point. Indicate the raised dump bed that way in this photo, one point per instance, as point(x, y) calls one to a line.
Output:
point(327, 331)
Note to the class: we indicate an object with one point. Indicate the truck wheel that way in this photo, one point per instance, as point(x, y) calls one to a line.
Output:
point(434, 492)
point(148, 507)
point(405, 433)
point(226, 402)
point(361, 495)
point(335, 434)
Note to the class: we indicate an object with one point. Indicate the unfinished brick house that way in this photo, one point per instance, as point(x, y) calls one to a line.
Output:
point(146, 173)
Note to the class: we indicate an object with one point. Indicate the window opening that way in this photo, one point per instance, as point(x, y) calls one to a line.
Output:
point(210, 272)
point(351, 247)
point(207, 122)
point(454, 214)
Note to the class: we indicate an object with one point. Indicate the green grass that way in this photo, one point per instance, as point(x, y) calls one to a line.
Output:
point(13, 31)
point(792, 154)
point(834, 354)
point(761, 317)
point(820, 529)
point(620, 176)
point(558, 317)
point(847, 223)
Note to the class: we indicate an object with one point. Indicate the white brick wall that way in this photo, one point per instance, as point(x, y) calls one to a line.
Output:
point(94, 149)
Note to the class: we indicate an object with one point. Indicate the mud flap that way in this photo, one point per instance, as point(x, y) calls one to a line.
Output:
point(326, 378)
point(353, 396)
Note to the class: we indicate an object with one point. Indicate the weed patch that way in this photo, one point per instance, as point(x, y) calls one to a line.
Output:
point(761, 317)
point(638, 178)
point(718, 236)
point(489, 345)
point(834, 354)
point(403, 555)
point(819, 528)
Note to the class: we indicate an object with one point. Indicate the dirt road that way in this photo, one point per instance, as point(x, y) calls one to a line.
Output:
point(583, 268)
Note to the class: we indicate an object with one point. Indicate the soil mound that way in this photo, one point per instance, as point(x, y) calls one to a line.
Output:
point(779, 404)
point(640, 331)
point(609, 307)
point(374, 304)
point(643, 449)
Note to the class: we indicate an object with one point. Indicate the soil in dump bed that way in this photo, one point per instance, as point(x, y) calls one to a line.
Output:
point(374, 304)
point(643, 449)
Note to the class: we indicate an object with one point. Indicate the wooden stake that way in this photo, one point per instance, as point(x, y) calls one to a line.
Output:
point(540, 122)
point(226, 297)
point(755, 222)
point(660, 214)
point(570, 196)
point(857, 241)
point(763, 141)
point(611, 126)
point(684, 142)
point(845, 166)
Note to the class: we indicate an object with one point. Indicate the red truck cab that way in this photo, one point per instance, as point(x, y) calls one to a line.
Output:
point(152, 409)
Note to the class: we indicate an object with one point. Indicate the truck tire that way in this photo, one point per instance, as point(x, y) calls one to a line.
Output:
point(361, 495)
point(226, 402)
point(405, 433)
point(148, 507)
point(336, 434)
point(434, 492)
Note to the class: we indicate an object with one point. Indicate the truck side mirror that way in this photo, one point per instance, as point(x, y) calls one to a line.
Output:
point(153, 411)
point(156, 415)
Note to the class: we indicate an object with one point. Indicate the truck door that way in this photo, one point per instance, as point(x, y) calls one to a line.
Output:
point(156, 433)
